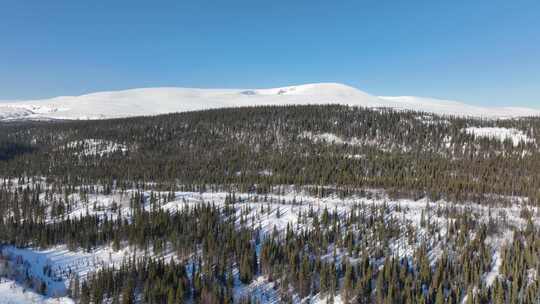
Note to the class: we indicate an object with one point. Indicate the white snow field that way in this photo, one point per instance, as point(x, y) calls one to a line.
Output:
point(501, 134)
point(154, 101)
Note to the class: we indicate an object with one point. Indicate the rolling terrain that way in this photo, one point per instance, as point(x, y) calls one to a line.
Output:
point(154, 101)
point(271, 204)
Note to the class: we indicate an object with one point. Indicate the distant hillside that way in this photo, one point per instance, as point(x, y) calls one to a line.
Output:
point(410, 152)
point(154, 101)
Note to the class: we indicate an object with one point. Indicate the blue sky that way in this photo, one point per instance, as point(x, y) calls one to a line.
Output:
point(483, 52)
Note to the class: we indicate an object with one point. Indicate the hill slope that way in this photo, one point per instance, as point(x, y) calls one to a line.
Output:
point(153, 101)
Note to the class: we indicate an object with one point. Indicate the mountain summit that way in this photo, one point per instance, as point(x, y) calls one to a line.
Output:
point(154, 101)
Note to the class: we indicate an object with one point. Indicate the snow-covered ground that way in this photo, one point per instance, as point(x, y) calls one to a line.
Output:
point(333, 139)
point(154, 101)
point(97, 147)
point(56, 266)
point(12, 293)
point(456, 108)
point(268, 212)
point(330, 138)
point(501, 134)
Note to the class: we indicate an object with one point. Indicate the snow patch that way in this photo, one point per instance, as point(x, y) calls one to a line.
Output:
point(330, 138)
point(56, 266)
point(501, 134)
point(13, 293)
point(93, 147)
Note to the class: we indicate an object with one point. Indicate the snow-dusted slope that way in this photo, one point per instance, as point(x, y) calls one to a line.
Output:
point(449, 107)
point(153, 101)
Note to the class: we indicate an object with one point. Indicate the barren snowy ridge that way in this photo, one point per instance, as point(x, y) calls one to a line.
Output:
point(154, 101)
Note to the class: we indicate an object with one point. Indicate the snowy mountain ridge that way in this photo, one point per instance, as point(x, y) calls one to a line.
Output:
point(162, 100)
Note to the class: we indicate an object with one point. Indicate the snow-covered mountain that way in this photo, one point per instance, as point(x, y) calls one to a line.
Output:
point(153, 101)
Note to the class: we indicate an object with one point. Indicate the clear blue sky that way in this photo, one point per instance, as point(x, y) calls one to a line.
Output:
point(484, 52)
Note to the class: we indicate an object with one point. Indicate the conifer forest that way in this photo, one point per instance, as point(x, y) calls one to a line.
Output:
point(273, 204)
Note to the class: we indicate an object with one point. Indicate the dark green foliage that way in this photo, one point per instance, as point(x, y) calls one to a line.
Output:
point(257, 151)
point(410, 154)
